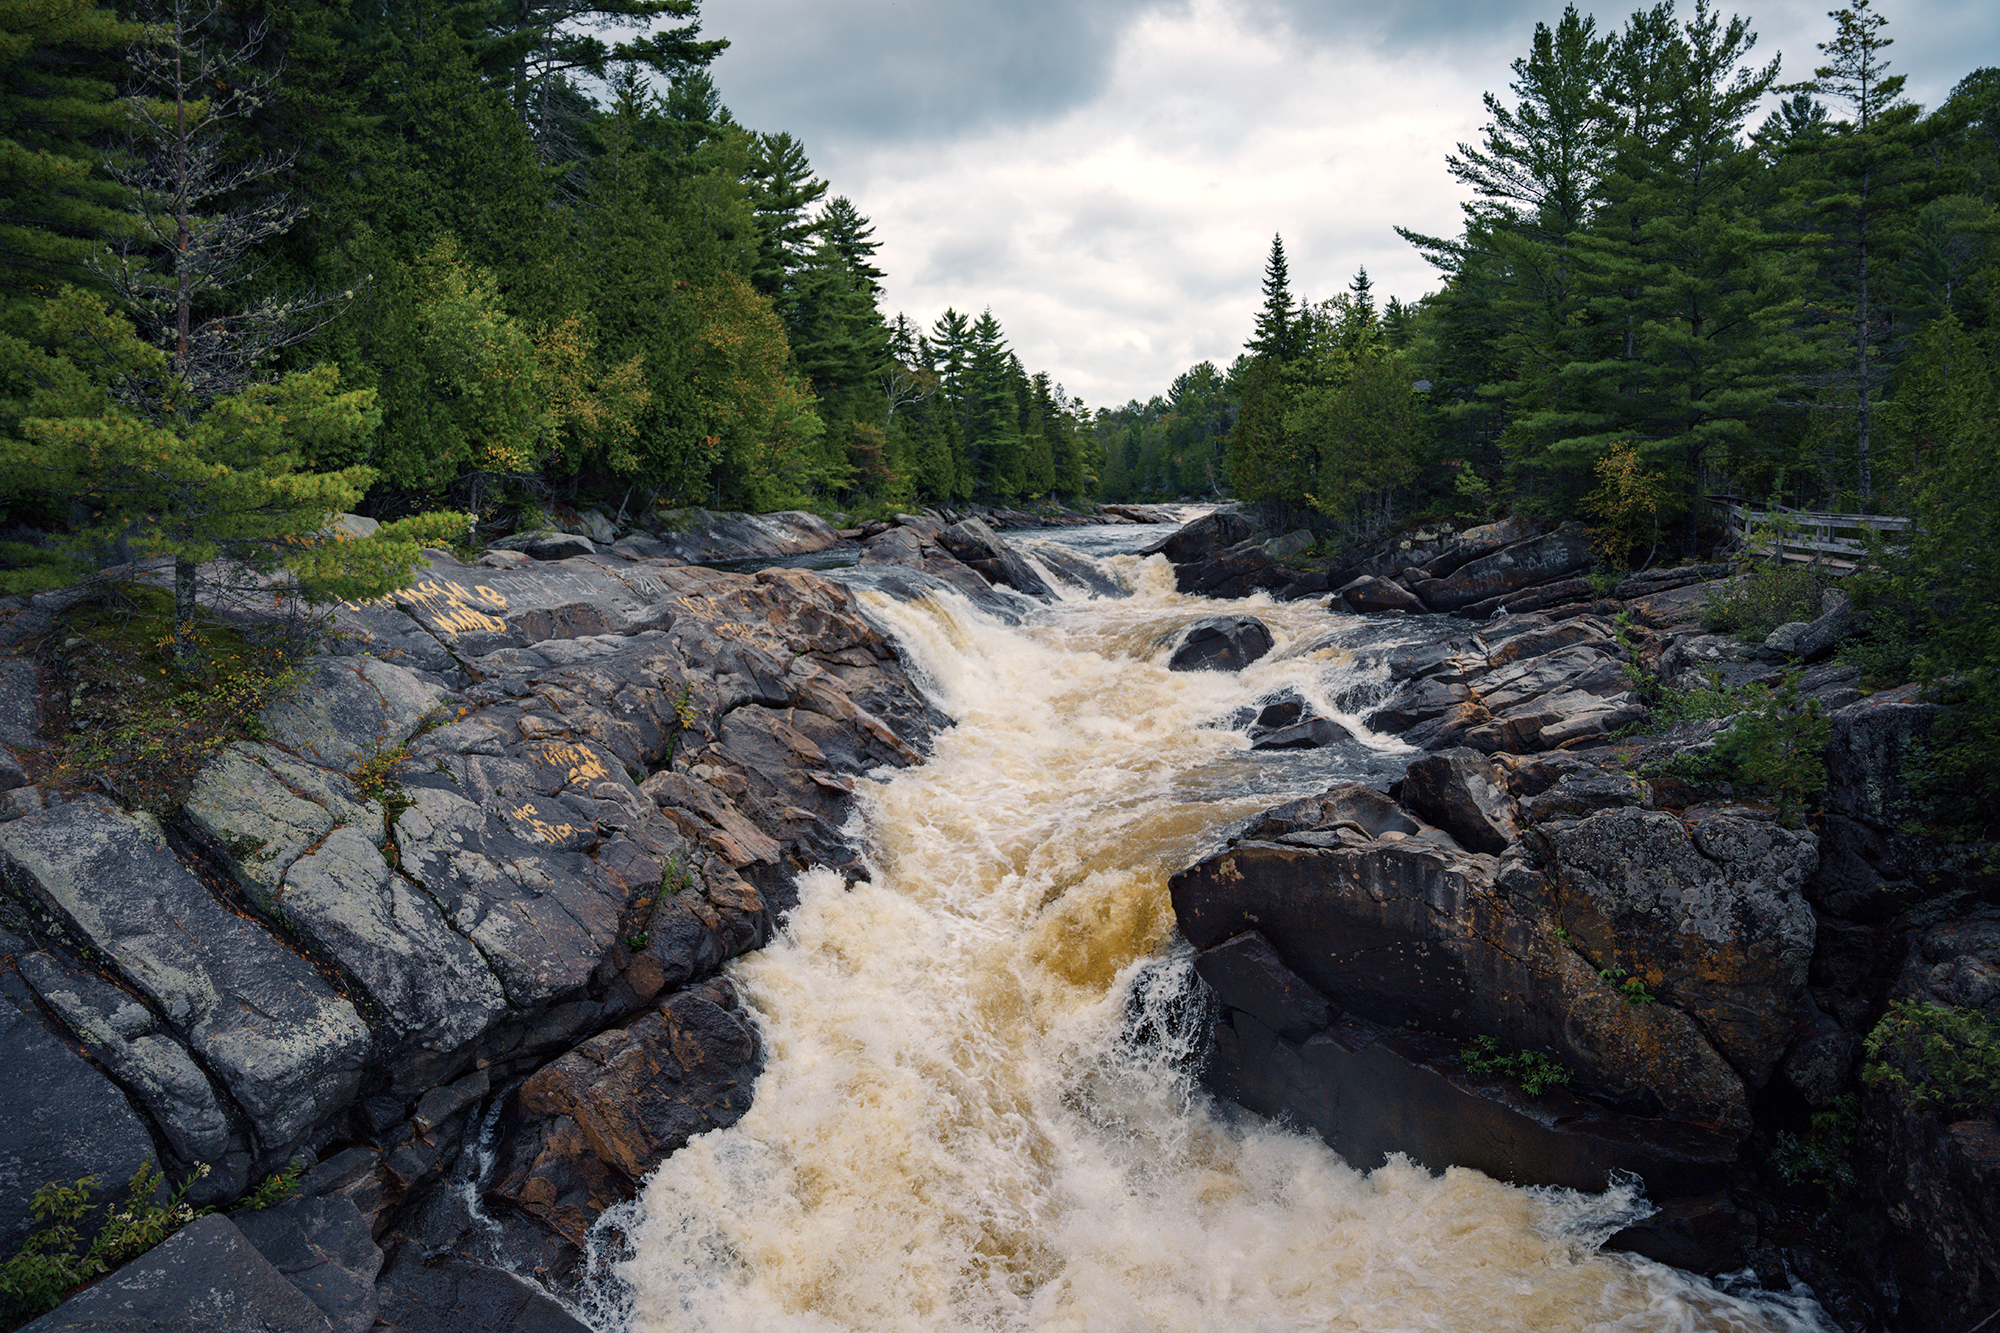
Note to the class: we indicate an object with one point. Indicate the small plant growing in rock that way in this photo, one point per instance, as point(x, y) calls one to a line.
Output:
point(1823, 1155)
point(1939, 1058)
point(1535, 1072)
point(687, 716)
point(274, 1188)
point(54, 1261)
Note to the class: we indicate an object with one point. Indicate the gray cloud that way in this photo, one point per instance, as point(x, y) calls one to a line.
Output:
point(887, 70)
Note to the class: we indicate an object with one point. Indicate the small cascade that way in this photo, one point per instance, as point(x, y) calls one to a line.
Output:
point(979, 1110)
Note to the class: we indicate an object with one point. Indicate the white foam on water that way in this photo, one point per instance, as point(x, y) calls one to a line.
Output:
point(954, 1130)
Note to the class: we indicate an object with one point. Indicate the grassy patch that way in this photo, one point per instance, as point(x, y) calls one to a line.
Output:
point(141, 726)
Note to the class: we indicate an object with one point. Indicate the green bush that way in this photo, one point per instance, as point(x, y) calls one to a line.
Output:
point(1940, 1058)
point(1535, 1072)
point(1775, 750)
point(54, 1261)
point(1753, 604)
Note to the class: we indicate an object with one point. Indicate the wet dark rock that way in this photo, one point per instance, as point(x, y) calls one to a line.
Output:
point(908, 546)
point(1525, 564)
point(452, 1294)
point(1221, 643)
point(323, 1247)
point(1312, 734)
point(1369, 1092)
point(1460, 791)
point(1703, 1233)
point(205, 1278)
point(1246, 973)
point(1237, 572)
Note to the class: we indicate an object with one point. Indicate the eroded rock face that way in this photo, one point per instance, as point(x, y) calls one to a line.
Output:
point(288, 1048)
point(1406, 931)
point(590, 1127)
point(1707, 914)
point(1510, 569)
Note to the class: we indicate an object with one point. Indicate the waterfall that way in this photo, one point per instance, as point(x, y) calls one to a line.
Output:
point(978, 1111)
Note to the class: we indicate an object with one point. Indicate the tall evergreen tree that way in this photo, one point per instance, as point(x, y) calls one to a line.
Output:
point(1864, 193)
point(58, 63)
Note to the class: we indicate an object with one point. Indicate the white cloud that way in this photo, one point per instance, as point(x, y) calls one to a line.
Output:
point(1106, 175)
point(1123, 241)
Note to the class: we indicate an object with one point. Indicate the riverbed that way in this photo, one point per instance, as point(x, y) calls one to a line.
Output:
point(980, 1108)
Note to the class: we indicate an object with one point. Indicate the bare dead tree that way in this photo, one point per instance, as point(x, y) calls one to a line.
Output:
point(198, 211)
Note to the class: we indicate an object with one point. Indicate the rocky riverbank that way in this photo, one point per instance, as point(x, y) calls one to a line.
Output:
point(465, 893)
point(1565, 949)
point(455, 914)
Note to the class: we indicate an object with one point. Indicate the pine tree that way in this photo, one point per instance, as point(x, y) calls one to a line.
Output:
point(56, 92)
point(1867, 186)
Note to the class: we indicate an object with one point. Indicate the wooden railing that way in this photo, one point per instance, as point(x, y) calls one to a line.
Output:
point(1802, 534)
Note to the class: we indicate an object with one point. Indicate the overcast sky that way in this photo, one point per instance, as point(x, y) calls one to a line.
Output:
point(1107, 174)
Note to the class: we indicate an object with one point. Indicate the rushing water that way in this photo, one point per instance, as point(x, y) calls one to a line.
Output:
point(977, 1111)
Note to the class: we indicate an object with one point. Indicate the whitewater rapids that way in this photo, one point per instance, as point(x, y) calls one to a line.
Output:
point(977, 1112)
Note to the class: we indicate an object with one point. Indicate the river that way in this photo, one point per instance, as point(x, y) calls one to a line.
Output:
point(978, 1111)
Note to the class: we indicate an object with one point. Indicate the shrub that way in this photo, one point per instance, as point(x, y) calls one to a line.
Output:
point(53, 1261)
point(1753, 604)
point(1940, 1058)
point(1535, 1072)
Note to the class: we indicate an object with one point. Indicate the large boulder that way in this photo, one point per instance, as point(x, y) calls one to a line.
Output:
point(1525, 564)
point(1706, 914)
point(1461, 791)
point(1205, 537)
point(1371, 593)
point(975, 544)
point(701, 536)
point(1221, 643)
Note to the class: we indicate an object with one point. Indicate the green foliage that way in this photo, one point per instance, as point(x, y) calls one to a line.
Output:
point(54, 1260)
point(274, 1188)
point(143, 722)
point(1535, 1072)
point(1936, 1058)
point(1631, 987)
point(1775, 750)
point(1822, 1157)
point(1754, 603)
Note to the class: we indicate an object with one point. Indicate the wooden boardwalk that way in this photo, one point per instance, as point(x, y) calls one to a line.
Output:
point(1802, 535)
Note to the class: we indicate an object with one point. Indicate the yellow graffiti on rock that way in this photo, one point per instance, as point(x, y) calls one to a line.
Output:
point(581, 765)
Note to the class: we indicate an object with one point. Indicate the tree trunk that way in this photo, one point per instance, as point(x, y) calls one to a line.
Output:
point(184, 609)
